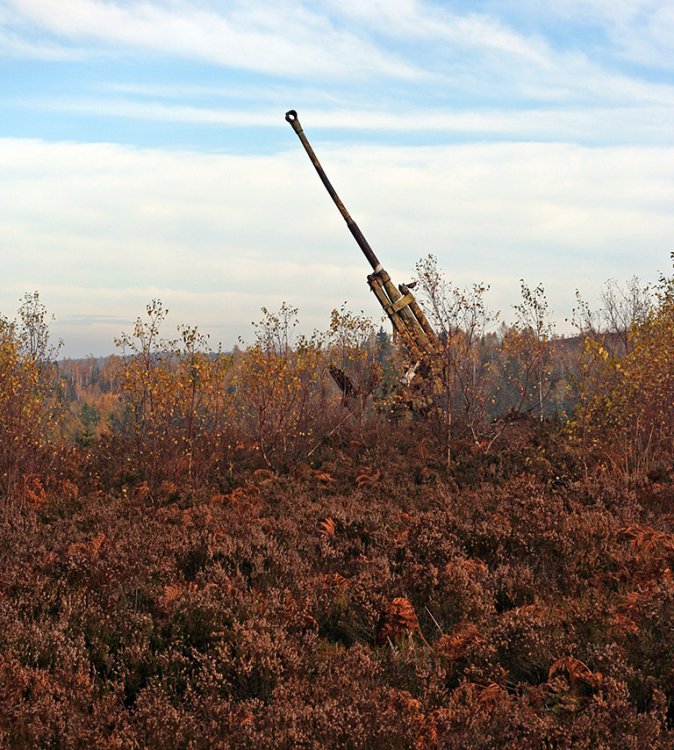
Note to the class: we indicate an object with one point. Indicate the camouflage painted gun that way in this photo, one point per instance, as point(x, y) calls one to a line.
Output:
point(410, 325)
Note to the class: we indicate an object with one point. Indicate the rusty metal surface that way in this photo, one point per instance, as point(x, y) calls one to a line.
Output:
point(293, 119)
point(408, 320)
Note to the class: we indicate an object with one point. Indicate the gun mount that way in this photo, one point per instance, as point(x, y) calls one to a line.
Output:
point(409, 322)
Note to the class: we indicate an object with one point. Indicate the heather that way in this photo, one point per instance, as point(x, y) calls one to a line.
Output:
point(202, 550)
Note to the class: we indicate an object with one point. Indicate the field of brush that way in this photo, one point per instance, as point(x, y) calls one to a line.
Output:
point(200, 550)
point(359, 608)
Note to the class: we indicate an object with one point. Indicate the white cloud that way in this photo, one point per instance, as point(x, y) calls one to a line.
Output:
point(101, 229)
point(646, 124)
point(467, 55)
point(264, 38)
point(476, 49)
point(13, 45)
point(636, 30)
point(411, 20)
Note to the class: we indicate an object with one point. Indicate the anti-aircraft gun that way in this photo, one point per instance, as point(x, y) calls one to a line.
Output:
point(410, 325)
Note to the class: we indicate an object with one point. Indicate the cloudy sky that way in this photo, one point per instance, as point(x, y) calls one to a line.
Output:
point(144, 153)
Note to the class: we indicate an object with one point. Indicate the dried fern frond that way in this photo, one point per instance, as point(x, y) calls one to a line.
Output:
point(458, 643)
point(264, 475)
point(89, 549)
point(367, 476)
point(571, 684)
point(576, 670)
point(647, 540)
point(399, 620)
point(327, 527)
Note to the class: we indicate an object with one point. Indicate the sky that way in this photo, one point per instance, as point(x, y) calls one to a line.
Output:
point(144, 154)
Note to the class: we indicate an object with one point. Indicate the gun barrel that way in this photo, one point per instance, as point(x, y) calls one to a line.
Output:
point(407, 318)
point(293, 119)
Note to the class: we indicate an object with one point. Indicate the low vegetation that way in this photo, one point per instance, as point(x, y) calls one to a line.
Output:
point(277, 547)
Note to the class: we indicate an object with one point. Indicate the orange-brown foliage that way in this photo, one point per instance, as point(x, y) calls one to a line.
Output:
point(242, 562)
